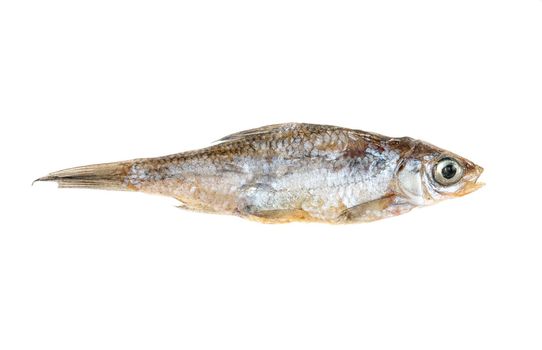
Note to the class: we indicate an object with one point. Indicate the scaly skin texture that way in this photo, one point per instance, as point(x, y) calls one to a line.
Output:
point(290, 172)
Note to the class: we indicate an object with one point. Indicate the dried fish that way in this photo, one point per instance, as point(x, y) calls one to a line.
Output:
point(293, 172)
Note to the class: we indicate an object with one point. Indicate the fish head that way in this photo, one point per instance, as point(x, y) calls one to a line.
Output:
point(429, 174)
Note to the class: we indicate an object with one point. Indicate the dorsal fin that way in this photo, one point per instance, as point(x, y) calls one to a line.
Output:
point(268, 129)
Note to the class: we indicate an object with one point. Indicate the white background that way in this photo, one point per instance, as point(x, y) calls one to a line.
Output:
point(86, 82)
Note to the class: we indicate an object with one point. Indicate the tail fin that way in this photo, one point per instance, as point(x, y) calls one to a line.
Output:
point(107, 176)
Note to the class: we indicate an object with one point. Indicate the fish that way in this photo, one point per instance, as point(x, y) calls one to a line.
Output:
point(293, 172)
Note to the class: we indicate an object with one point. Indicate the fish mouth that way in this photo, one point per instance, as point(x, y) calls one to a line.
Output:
point(471, 182)
point(471, 187)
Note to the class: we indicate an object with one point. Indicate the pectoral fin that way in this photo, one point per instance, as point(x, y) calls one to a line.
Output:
point(374, 210)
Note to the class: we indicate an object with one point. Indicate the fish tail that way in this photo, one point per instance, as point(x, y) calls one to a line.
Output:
point(107, 176)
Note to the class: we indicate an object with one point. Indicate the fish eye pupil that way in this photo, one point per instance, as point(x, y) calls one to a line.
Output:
point(449, 171)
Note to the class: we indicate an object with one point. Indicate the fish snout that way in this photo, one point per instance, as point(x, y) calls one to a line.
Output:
point(471, 178)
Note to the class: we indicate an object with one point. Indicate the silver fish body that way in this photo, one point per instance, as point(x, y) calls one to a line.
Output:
point(292, 172)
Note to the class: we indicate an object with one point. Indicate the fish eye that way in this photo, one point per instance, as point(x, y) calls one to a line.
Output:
point(447, 171)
